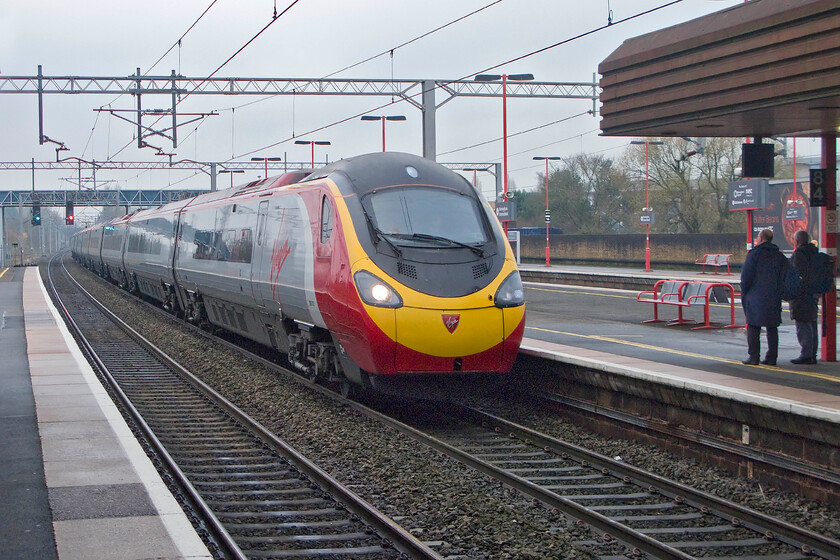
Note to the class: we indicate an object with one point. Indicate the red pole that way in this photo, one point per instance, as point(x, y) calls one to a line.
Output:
point(829, 244)
point(647, 205)
point(266, 167)
point(383, 134)
point(313, 154)
point(749, 230)
point(794, 168)
point(750, 216)
point(504, 137)
point(547, 252)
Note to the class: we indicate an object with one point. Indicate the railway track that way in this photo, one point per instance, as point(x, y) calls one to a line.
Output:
point(651, 515)
point(254, 495)
point(690, 437)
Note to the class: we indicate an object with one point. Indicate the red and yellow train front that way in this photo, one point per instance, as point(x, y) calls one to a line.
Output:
point(411, 332)
point(425, 281)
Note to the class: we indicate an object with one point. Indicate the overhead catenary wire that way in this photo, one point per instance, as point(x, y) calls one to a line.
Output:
point(383, 53)
point(340, 121)
point(275, 18)
point(391, 50)
point(485, 70)
point(176, 43)
point(532, 129)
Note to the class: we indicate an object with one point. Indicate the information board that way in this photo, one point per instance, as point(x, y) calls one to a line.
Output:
point(748, 194)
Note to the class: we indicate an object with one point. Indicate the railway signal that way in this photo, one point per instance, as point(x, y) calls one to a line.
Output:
point(69, 216)
point(36, 214)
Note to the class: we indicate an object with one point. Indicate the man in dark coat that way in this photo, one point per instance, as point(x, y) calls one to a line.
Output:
point(803, 308)
point(762, 278)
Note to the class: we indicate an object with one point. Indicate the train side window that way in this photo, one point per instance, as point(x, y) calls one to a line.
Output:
point(326, 220)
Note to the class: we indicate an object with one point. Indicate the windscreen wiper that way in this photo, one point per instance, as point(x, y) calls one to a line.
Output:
point(384, 237)
point(380, 234)
point(477, 250)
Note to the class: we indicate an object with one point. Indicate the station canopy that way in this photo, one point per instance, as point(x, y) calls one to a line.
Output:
point(764, 68)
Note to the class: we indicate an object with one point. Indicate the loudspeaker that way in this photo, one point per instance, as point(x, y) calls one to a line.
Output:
point(757, 160)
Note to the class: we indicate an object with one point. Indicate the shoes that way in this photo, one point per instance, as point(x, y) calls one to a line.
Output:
point(750, 361)
point(768, 362)
point(806, 361)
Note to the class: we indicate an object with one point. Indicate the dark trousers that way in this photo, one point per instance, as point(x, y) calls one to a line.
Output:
point(754, 342)
point(806, 334)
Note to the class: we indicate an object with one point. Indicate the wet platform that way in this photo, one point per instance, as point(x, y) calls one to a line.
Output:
point(601, 328)
point(74, 481)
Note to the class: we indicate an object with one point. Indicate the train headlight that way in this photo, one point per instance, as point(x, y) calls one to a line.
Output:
point(374, 291)
point(510, 293)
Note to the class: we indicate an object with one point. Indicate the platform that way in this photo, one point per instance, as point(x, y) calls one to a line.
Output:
point(74, 482)
point(601, 329)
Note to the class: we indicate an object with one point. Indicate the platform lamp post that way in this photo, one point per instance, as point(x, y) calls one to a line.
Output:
point(475, 171)
point(504, 78)
point(547, 211)
point(313, 143)
point(383, 118)
point(646, 210)
point(231, 171)
point(266, 160)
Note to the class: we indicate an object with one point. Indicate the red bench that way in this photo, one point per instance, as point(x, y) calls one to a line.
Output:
point(686, 293)
point(716, 260)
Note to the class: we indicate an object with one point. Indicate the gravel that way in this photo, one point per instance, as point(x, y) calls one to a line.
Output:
point(463, 513)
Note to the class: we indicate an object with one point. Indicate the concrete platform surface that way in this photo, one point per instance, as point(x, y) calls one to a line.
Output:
point(97, 495)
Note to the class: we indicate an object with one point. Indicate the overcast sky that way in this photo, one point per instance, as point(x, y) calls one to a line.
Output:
point(313, 39)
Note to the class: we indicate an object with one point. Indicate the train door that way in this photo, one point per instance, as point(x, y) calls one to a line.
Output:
point(259, 256)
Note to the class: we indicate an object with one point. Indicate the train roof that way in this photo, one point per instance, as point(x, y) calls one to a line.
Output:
point(364, 173)
point(371, 171)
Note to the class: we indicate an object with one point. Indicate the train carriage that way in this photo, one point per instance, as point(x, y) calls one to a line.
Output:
point(90, 245)
point(148, 252)
point(111, 251)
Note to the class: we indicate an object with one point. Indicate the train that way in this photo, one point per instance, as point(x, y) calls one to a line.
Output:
point(369, 269)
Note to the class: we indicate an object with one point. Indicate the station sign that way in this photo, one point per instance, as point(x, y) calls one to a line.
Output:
point(818, 187)
point(795, 213)
point(748, 194)
point(647, 218)
point(506, 210)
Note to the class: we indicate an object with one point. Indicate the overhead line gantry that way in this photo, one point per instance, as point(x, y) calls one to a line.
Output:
point(420, 93)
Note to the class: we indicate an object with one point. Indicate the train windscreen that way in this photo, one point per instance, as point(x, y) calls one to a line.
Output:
point(424, 215)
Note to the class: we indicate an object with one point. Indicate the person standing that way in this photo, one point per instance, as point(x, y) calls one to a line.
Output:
point(762, 278)
point(804, 308)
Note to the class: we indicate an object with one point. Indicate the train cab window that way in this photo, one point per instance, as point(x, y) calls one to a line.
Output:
point(427, 211)
point(326, 220)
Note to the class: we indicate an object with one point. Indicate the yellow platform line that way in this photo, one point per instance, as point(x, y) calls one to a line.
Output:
point(683, 353)
point(5, 270)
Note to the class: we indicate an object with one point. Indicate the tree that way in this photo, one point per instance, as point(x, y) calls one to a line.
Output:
point(716, 167)
point(587, 194)
point(688, 182)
